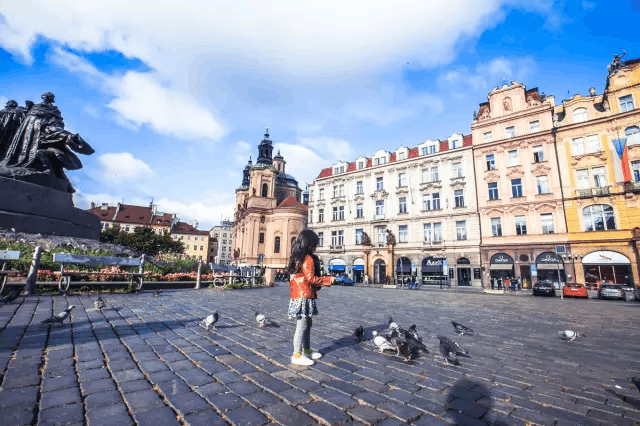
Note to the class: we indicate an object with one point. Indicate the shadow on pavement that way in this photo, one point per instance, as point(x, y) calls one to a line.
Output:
point(469, 401)
point(634, 402)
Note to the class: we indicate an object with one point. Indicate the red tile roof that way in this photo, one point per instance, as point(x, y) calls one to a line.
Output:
point(106, 214)
point(185, 228)
point(351, 167)
point(165, 219)
point(127, 214)
point(413, 152)
point(466, 140)
point(291, 202)
point(369, 162)
point(444, 145)
point(325, 172)
point(392, 159)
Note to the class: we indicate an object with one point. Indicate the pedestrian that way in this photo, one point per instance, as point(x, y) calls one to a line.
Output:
point(305, 282)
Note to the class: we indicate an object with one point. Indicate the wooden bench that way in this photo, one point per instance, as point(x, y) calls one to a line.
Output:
point(81, 259)
point(5, 256)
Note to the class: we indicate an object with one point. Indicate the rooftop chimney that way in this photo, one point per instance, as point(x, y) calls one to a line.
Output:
point(104, 206)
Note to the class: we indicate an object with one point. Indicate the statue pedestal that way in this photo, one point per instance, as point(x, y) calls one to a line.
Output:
point(37, 209)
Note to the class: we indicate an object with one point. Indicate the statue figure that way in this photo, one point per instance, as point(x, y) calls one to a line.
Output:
point(475, 115)
point(366, 240)
point(506, 103)
point(616, 62)
point(11, 117)
point(391, 239)
point(42, 147)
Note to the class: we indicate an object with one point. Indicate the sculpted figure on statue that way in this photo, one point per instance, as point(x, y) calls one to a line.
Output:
point(41, 147)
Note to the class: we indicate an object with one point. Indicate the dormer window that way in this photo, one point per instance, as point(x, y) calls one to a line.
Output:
point(360, 165)
point(455, 144)
point(339, 169)
point(380, 161)
point(626, 103)
point(401, 156)
point(580, 115)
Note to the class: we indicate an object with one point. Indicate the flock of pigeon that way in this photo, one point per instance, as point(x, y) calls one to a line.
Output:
point(210, 321)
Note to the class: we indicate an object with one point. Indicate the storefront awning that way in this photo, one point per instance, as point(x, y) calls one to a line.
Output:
point(499, 266)
point(605, 258)
point(552, 266)
point(358, 267)
point(336, 267)
point(432, 264)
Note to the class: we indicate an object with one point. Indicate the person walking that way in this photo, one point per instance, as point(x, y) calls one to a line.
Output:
point(305, 282)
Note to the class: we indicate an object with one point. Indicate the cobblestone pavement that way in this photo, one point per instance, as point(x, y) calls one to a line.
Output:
point(144, 360)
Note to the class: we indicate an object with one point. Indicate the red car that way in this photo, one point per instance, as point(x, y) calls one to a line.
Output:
point(575, 290)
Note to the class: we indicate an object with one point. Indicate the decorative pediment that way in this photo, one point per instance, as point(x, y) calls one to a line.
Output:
point(338, 200)
point(491, 176)
point(519, 209)
point(402, 190)
point(545, 207)
point(430, 186)
point(515, 172)
point(584, 158)
point(359, 197)
point(634, 152)
point(458, 183)
point(540, 169)
point(379, 195)
point(494, 211)
point(379, 173)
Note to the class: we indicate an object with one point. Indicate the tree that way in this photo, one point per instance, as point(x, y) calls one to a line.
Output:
point(143, 239)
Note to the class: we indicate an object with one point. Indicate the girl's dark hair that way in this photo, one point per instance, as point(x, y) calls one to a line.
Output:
point(303, 246)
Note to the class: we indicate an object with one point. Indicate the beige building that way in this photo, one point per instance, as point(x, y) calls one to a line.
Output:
point(129, 217)
point(269, 214)
point(196, 242)
point(518, 184)
point(222, 235)
point(424, 196)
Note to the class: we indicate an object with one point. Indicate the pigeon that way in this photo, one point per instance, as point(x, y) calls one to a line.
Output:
point(210, 321)
point(455, 347)
point(392, 323)
point(569, 335)
point(413, 333)
point(382, 343)
point(11, 297)
point(99, 303)
point(414, 341)
point(60, 317)
point(359, 333)
point(461, 329)
point(447, 350)
point(262, 320)
point(402, 347)
point(636, 381)
point(157, 292)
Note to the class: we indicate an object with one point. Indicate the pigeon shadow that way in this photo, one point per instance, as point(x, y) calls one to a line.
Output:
point(634, 402)
point(469, 401)
point(352, 341)
point(222, 327)
point(272, 324)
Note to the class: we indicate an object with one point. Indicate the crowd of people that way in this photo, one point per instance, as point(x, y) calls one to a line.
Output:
point(506, 283)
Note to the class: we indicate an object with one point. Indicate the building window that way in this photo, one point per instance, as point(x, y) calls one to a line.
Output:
point(359, 210)
point(379, 184)
point(459, 197)
point(338, 170)
point(599, 177)
point(521, 225)
point(598, 217)
point(593, 144)
point(510, 132)
point(402, 179)
point(513, 158)
point(126, 228)
point(579, 115)
point(435, 174)
point(380, 209)
point(457, 170)
point(265, 190)
point(635, 166)
point(582, 176)
point(534, 126)
point(455, 144)
point(337, 238)
point(461, 230)
point(402, 205)
point(432, 232)
point(401, 156)
point(577, 146)
point(426, 176)
point(358, 235)
point(538, 154)
point(496, 227)
point(338, 191)
point(320, 239)
point(338, 213)
point(310, 216)
point(195, 247)
point(633, 135)
point(516, 188)
point(431, 201)
point(542, 183)
point(626, 103)
point(359, 188)
point(432, 148)
point(360, 165)
point(382, 235)
point(321, 194)
point(380, 161)
point(546, 221)
point(320, 215)
point(493, 190)
point(403, 233)
point(487, 136)
point(201, 248)
point(424, 150)
point(105, 226)
point(491, 162)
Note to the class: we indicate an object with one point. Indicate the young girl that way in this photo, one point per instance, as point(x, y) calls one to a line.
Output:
point(304, 268)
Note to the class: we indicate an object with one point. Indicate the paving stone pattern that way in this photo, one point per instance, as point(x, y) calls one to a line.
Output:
point(144, 360)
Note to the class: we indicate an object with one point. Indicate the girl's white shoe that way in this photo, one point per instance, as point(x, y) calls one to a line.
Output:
point(313, 355)
point(302, 360)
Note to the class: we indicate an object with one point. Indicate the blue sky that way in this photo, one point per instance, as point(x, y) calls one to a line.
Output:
point(175, 99)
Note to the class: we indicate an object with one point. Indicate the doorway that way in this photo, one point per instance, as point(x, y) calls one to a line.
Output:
point(464, 276)
point(525, 276)
point(379, 272)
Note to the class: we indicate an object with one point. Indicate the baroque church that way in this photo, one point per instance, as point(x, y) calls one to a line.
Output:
point(269, 212)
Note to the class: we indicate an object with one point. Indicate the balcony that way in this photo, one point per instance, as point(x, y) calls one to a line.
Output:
point(603, 190)
point(432, 242)
point(379, 217)
point(381, 244)
point(632, 186)
point(593, 192)
point(336, 248)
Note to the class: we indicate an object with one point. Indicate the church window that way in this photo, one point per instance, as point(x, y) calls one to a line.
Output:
point(265, 190)
point(276, 245)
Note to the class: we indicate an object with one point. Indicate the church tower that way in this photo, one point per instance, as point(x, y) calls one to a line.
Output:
point(279, 163)
point(265, 150)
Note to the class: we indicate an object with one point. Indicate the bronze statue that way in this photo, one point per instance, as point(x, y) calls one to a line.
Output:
point(11, 117)
point(41, 148)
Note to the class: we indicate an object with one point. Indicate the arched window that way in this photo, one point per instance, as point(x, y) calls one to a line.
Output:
point(633, 135)
point(598, 217)
point(579, 115)
point(276, 245)
point(265, 190)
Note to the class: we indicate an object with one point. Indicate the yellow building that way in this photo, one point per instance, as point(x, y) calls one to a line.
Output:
point(196, 242)
point(598, 146)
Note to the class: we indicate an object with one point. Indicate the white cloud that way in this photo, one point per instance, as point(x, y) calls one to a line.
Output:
point(3, 101)
point(303, 163)
point(588, 5)
point(123, 166)
point(242, 151)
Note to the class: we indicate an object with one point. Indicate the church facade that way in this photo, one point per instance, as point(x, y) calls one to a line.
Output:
point(269, 213)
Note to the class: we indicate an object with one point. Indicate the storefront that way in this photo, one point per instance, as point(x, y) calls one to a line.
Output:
point(501, 267)
point(403, 270)
point(336, 267)
point(463, 266)
point(550, 268)
point(358, 270)
point(433, 270)
point(607, 267)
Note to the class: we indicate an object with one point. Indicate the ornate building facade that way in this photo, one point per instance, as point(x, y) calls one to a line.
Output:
point(598, 142)
point(522, 218)
point(411, 212)
point(269, 214)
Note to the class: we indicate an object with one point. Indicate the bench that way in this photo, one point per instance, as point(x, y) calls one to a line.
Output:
point(5, 256)
point(81, 259)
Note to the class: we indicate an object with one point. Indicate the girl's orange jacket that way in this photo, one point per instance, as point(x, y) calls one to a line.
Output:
point(305, 284)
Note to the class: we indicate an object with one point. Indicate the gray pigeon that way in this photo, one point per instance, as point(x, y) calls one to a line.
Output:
point(448, 350)
point(58, 318)
point(157, 292)
point(210, 321)
point(402, 347)
point(461, 329)
point(99, 303)
point(569, 335)
point(11, 297)
point(382, 343)
point(359, 333)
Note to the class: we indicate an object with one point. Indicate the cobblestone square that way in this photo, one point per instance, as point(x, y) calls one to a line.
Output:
point(145, 360)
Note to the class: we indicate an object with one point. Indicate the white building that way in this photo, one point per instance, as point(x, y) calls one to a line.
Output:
point(424, 195)
point(223, 234)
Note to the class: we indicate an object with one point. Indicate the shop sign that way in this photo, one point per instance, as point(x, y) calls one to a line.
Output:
point(477, 274)
point(548, 258)
point(534, 271)
point(501, 258)
point(433, 264)
point(464, 261)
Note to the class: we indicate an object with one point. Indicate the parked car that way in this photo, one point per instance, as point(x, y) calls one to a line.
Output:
point(611, 291)
point(636, 294)
point(344, 280)
point(575, 290)
point(544, 288)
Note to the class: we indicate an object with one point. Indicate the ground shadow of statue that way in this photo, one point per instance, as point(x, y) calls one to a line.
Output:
point(469, 401)
point(634, 402)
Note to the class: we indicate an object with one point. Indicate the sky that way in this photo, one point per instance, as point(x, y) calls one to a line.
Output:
point(174, 99)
